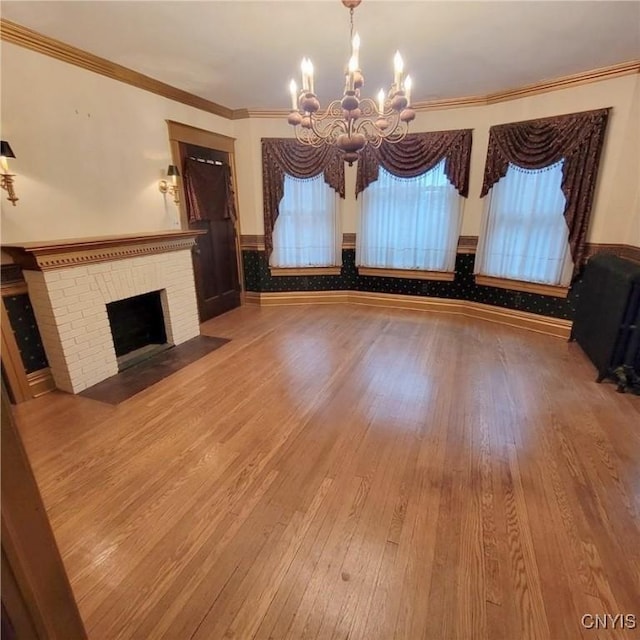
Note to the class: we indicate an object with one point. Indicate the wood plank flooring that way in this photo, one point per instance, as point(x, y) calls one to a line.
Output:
point(350, 472)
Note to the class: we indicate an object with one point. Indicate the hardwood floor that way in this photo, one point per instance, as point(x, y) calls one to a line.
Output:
point(350, 472)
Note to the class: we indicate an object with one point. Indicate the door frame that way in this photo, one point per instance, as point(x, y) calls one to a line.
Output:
point(36, 592)
point(179, 132)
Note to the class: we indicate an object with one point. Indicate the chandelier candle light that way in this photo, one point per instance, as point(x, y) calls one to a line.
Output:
point(352, 122)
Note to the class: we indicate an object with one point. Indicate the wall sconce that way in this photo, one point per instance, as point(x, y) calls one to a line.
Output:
point(6, 178)
point(172, 188)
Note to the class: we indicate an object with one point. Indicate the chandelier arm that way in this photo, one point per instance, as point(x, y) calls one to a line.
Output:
point(312, 139)
point(333, 110)
point(329, 129)
point(368, 108)
point(307, 137)
point(375, 136)
point(368, 125)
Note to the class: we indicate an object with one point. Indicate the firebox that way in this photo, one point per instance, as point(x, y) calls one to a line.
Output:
point(137, 328)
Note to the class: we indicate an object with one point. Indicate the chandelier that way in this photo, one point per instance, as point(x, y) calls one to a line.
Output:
point(352, 122)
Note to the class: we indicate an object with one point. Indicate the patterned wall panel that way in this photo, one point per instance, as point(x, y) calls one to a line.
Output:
point(25, 330)
point(259, 279)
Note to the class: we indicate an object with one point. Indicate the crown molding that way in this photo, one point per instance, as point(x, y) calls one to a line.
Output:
point(240, 114)
point(29, 39)
point(564, 82)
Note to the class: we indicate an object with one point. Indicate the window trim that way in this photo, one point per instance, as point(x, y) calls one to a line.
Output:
point(412, 274)
point(335, 270)
point(539, 288)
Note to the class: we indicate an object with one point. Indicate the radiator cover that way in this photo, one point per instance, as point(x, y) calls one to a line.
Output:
point(606, 323)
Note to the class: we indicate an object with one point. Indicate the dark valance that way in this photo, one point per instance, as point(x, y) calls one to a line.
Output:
point(282, 156)
point(577, 139)
point(416, 154)
point(209, 190)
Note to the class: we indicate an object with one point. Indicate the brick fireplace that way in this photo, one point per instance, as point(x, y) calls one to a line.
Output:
point(71, 282)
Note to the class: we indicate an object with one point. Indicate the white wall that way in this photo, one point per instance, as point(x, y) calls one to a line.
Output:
point(616, 214)
point(91, 151)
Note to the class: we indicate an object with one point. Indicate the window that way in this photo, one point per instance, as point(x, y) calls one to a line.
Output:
point(525, 236)
point(307, 231)
point(409, 223)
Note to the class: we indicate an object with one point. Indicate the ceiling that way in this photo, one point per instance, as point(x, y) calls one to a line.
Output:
point(243, 54)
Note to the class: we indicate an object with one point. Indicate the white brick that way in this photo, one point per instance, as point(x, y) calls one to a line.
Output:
point(90, 350)
point(94, 311)
point(61, 284)
point(73, 333)
point(82, 322)
point(101, 267)
point(73, 272)
point(100, 334)
point(79, 288)
point(78, 306)
point(72, 348)
point(70, 317)
point(89, 296)
point(63, 303)
point(97, 335)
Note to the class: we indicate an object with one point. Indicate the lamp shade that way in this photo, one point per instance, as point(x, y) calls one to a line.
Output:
point(5, 149)
point(172, 170)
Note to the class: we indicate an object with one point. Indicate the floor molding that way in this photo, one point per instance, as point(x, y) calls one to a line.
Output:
point(41, 382)
point(556, 327)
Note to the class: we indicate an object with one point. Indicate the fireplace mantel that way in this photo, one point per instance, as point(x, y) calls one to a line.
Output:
point(73, 252)
point(71, 282)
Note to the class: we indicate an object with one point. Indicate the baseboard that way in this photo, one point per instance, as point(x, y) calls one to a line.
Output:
point(510, 317)
point(302, 297)
point(40, 382)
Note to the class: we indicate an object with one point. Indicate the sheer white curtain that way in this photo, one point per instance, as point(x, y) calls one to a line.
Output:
point(307, 232)
point(524, 234)
point(409, 223)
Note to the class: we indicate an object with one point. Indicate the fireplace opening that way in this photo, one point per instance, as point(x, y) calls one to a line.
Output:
point(137, 328)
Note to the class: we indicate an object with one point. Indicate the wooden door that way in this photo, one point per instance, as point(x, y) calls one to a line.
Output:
point(210, 207)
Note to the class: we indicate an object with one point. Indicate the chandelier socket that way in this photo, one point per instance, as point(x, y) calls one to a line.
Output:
point(294, 118)
point(350, 157)
point(382, 124)
point(358, 79)
point(306, 122)
point(351, 143)
point(399, 101)
point(309, 103)
point(350, 101)
point(407, 115)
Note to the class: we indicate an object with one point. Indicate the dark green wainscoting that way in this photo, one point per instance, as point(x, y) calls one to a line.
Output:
point(258, 278)
point(24, 327)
